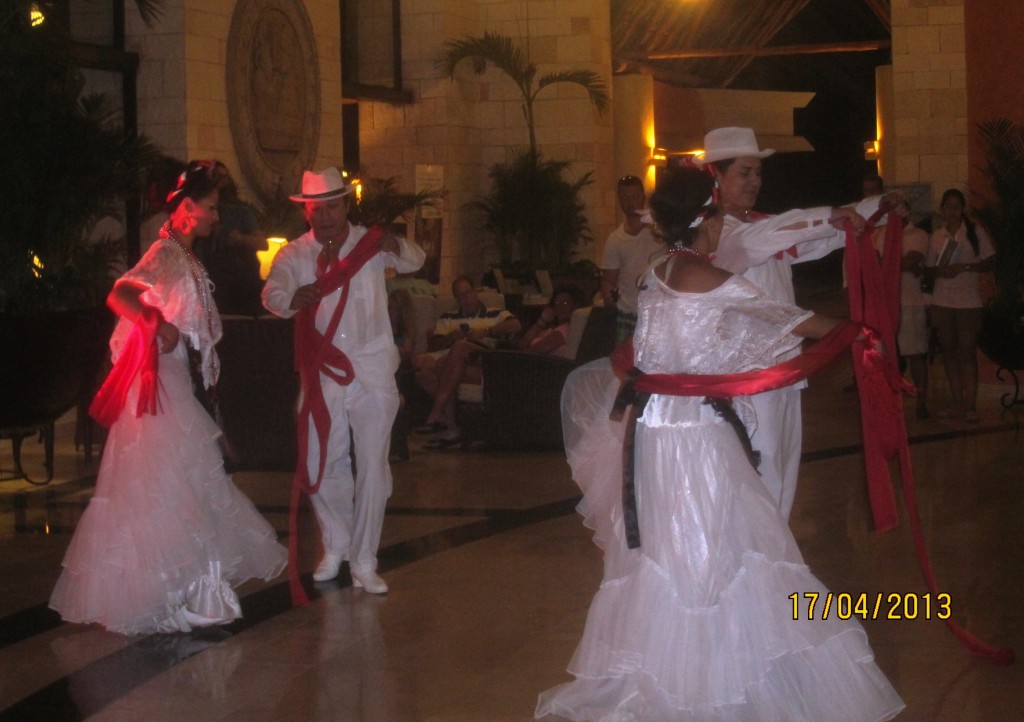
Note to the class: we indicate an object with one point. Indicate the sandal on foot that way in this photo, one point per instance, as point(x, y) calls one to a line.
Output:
point(434, 428)
point(442, 444)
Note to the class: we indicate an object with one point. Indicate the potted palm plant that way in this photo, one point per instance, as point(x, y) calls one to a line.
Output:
point(1002, 337)
point(533, 214)
point(67, 165)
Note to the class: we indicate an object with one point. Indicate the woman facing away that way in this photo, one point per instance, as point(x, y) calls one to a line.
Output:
point(166, 533)
point(958, 251)
point(697, 622)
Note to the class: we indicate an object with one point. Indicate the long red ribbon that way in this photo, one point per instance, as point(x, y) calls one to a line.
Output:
point(874, 299)
point(315, 353)
point(139, 357)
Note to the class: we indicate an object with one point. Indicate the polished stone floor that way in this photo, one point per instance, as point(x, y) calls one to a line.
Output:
point(491, 574)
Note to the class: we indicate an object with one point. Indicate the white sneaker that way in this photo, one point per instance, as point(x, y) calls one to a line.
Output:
point(327, 568)
point(370, 581)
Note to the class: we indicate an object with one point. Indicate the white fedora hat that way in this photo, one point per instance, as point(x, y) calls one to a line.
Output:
point(322, 186)
point(726, 143)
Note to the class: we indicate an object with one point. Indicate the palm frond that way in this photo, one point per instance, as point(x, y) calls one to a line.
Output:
point(382, 203)
point(150, 11)
point(1003, 216)
point(586, 79)
point(1004, 157)
point(498, 50)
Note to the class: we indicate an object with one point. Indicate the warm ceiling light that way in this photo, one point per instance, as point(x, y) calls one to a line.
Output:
point(35, 16)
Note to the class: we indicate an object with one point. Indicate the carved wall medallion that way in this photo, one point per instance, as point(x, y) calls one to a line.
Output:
point(273, 83)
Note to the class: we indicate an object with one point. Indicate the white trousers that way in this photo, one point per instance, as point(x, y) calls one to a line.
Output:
point(779, 436)
point(350, 507)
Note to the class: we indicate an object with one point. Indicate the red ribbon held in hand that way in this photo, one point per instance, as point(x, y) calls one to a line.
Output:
point(139, 357)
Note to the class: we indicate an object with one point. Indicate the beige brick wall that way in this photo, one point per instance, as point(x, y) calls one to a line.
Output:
point(468, 125)
point(182, 89)
point(161, 78)
point(927, 142)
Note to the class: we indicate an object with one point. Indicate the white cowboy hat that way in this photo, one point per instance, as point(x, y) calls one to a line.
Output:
point(322, 186)
point(726, 143)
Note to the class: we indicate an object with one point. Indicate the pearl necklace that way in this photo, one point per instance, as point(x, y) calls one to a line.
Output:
point(198, 273)
point(678, 248)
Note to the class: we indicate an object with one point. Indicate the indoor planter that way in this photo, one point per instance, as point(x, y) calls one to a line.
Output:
point(66, 166)
point(533, 215)
point(1002, 336)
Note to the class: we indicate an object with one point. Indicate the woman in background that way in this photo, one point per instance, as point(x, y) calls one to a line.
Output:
point(958, 251)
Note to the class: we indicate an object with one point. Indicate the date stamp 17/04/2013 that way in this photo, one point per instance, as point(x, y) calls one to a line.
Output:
point(864, 606)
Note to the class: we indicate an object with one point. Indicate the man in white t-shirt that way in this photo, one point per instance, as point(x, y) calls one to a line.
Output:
point(628, 252)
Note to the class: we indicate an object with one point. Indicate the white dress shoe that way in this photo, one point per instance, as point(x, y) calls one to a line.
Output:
point(370, 581)
point(327, 568)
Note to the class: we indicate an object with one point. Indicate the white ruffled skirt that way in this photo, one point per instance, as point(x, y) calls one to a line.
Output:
point(166, 534)
point(698, 623)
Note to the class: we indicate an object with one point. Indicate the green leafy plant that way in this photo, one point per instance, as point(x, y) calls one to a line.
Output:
point(382, 203)
point(1004, 215)
point(1002, 332)
point(532, 214)
point(67, 165)
point(505, 55)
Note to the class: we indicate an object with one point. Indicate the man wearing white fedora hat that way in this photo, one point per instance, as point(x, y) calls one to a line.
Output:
point(363, 396)
point(763, 249)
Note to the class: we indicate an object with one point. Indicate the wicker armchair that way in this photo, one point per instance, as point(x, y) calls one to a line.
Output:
point(521, 404)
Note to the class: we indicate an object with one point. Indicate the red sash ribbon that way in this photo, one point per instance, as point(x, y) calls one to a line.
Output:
point(139, 357)
point(315, 354)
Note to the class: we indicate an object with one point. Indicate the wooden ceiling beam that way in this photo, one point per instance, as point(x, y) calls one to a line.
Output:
point(883, 11)
point(778, 16)
point(852, 47)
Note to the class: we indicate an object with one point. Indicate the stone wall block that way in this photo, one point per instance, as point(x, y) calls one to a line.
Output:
point(923, 40)
point(932, 80)
point(948, 14)
point(907, 16)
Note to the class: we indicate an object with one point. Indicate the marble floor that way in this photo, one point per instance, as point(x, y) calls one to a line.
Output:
point(491, 574)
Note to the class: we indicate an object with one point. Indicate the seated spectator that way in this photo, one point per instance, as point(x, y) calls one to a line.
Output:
point(403, 328)
point(551, 331)
point(403, 323)
point(463, 333)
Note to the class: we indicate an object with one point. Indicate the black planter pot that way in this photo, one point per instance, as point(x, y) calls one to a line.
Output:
point(1002, 341)
point(48, 361)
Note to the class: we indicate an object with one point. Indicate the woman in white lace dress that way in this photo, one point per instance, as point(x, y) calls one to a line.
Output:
point(166, 533)
point(697, 622)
